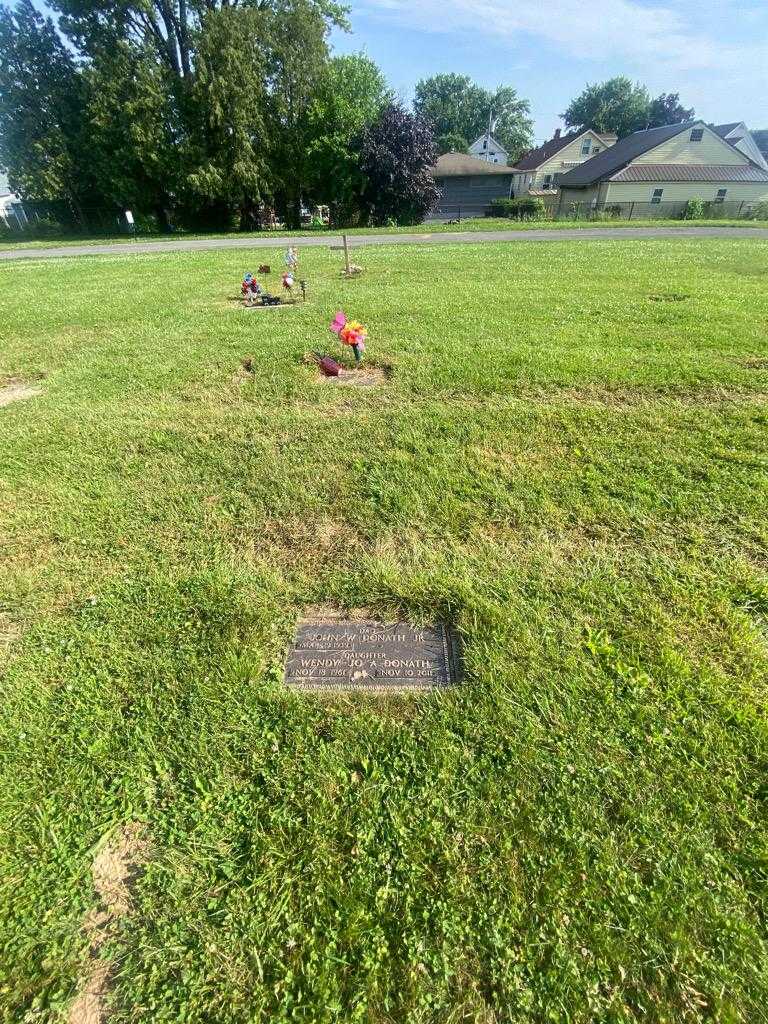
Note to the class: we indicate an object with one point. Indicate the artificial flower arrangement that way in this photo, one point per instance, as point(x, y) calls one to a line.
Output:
point(250, 288)
point(350, 332)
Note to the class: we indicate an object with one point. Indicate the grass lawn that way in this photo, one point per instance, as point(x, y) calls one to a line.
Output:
point(431, 227)
point(568, 462)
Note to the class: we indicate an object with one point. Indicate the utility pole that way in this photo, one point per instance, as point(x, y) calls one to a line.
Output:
point(488, 135)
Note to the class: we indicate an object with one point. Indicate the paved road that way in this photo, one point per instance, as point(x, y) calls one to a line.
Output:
point(416, 238)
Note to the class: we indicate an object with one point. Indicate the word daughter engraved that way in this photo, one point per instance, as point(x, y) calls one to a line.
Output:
point(338, 654)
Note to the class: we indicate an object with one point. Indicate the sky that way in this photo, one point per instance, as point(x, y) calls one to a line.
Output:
point(713, 52)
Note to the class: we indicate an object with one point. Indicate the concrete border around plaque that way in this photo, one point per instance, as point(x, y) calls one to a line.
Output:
point(368, 655)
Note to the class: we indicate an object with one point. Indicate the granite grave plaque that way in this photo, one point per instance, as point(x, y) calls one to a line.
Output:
point(348, 654)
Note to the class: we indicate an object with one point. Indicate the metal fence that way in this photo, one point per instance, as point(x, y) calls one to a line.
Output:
point(556, 208)
point(38, 220)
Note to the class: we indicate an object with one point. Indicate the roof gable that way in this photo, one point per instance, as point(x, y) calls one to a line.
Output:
point(491, 142)
point(619, 155)
point(724, 130)
point(541, 154)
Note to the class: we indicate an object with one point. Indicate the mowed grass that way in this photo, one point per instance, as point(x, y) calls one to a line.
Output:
point(568, 463)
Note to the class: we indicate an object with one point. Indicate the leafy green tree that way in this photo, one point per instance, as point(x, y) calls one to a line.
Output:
point(235, 83)
point(396, 153)
point(132, 141)
point(42, 113)
point(296, 60)
point(169, 28)
point(458, 107)
point(226, 174)
point(350, 95)
point(617, 105)
point(451, 143)
point(512, 126)
point(667, 109)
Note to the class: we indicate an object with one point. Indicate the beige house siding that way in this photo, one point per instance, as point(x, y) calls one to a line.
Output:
point(561, 162)
point(608, 192)
point(578, 195)
point(680, 150)
point(680, 191)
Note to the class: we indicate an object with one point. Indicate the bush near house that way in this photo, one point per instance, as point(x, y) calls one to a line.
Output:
point(694, 209)
point(520, 208)
point(759, 211)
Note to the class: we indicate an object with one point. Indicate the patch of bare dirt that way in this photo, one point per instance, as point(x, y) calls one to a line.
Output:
point(15, 390)
point(755, 363)
point(279, 540)
point(362, 377)
point(115, 868)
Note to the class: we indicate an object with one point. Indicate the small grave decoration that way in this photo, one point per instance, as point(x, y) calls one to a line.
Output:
point(250, 289)
point(350, 332)
point(265, 269)
point(288, 281)
point(292, 258)
point(328, 367)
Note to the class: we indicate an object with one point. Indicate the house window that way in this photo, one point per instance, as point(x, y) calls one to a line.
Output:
point(697, 135)
point(596, 150)
point(721, 194)
point(585, 147)
point(657, 194)
point(547, 181)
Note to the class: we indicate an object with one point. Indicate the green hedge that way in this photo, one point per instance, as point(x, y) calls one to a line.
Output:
point(521, 208)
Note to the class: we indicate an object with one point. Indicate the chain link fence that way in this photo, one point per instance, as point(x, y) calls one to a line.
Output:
point(556, 208)
point(22, 220)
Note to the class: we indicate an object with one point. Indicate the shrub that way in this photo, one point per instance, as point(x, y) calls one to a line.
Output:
point(693, 209)
point(37, 230)
point(500, 208)
point(146, 224)
point(520, 208)
point(759, 211)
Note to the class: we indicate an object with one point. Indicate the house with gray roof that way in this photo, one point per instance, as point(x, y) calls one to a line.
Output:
point(538, 172)
point(668, 165)
point(468, 184)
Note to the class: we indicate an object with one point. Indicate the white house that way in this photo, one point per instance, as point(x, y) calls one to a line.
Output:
point(540, 169)
point(11, 210)
point(489, 149)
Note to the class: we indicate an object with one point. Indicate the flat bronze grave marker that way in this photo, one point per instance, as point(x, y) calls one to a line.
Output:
point(350, 654)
